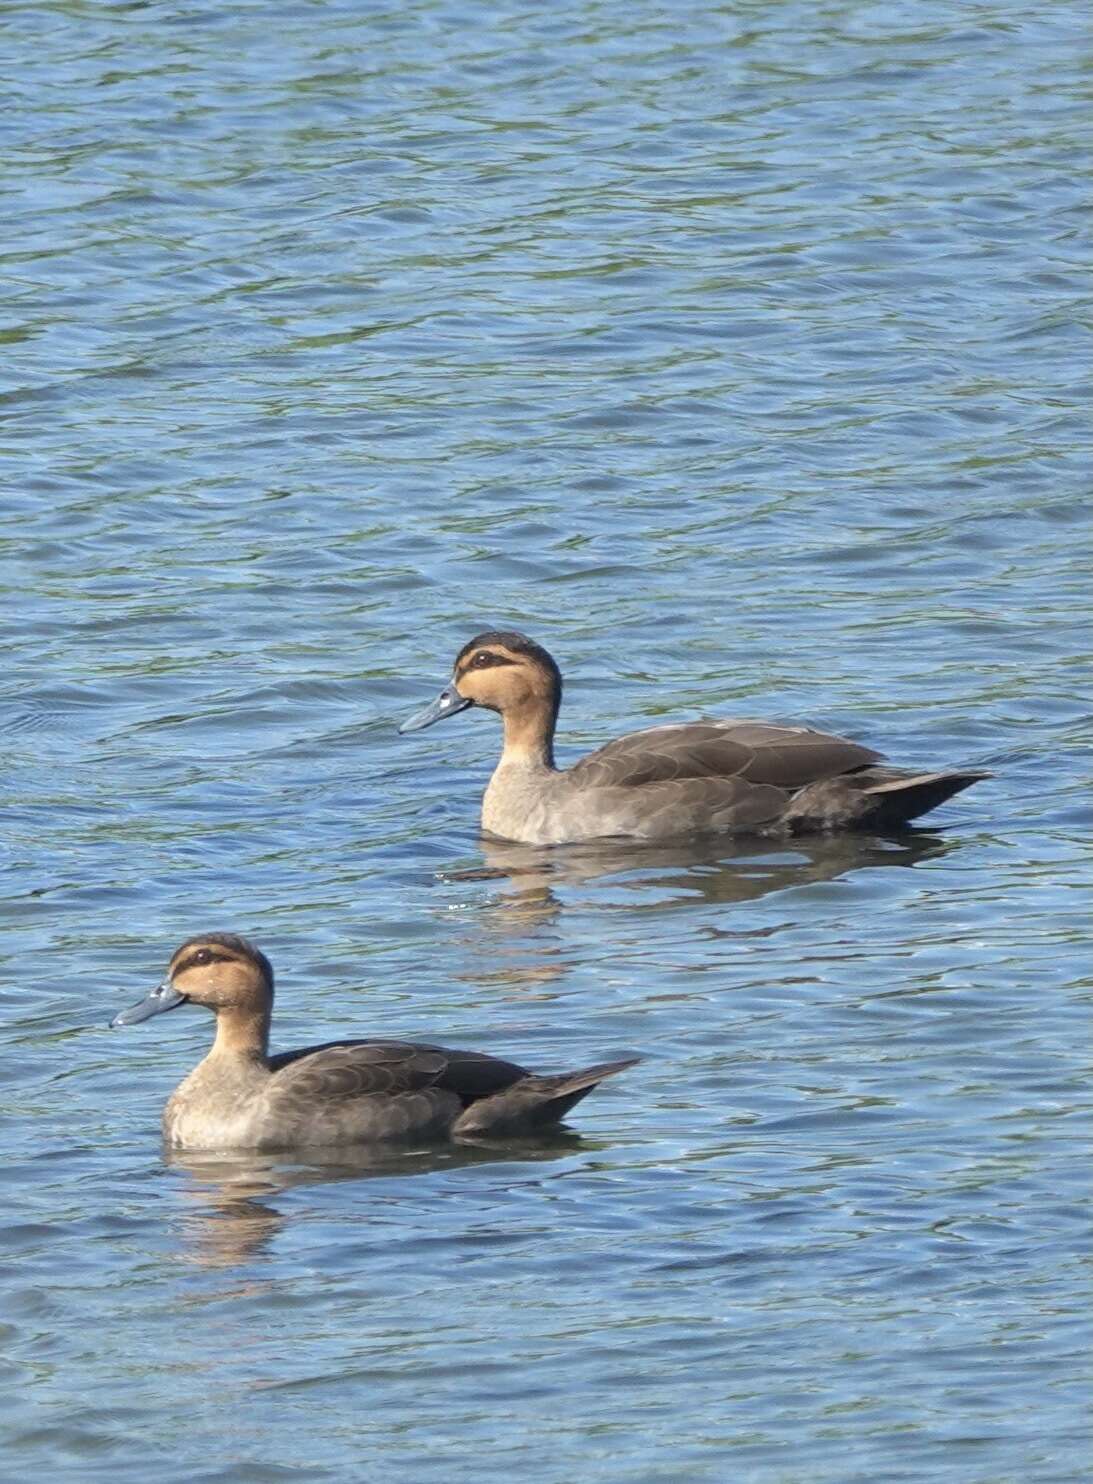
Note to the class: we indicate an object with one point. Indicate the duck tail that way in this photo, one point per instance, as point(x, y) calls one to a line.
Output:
point(569, 1089)
point(896, 802)
point(535, 1102)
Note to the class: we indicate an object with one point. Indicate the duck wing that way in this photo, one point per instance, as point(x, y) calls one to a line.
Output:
point(756, 752)
point(353, 1069)
point(350, 1091)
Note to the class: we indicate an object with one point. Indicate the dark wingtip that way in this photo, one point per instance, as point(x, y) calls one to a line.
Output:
point(897, 803)
point(589, 1076)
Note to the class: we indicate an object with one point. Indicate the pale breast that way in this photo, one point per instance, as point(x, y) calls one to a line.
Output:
point(564, 809)
point(216, 1108)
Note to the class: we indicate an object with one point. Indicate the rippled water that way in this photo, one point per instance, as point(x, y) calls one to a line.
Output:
point(738, 354)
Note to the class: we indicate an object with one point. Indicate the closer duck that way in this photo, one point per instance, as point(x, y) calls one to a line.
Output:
point(702, 777)
point(339, 1093)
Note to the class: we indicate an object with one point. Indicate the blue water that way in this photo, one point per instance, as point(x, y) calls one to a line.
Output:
point(740, 354)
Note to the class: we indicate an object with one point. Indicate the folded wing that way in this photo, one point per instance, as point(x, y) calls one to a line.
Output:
point(383, 1089)
point(353, 1069)
point(752, 751)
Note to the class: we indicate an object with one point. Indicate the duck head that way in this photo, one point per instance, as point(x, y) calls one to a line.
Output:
point(221, 971)
point(501, 670)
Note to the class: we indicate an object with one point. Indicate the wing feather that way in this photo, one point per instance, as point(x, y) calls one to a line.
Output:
point(755, 752)
point(353, 1069)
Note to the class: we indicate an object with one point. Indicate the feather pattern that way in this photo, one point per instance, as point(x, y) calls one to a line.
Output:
point(753, 751)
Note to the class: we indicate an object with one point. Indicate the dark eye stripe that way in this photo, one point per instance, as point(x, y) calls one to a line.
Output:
point(203, 956)
point(485, 659)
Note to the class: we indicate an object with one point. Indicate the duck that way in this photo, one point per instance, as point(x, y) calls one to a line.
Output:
point(711, 777)
point(338, 1093)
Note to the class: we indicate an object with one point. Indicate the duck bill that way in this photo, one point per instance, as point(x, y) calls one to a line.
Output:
point(446, 704)
point(163, 997)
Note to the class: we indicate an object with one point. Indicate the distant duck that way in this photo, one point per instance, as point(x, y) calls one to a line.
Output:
point(341, 1092)
point(698, 778)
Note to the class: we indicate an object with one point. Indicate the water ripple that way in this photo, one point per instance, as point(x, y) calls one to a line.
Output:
point(741, 355)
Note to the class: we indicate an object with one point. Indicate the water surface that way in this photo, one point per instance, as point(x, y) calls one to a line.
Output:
point(738, 353)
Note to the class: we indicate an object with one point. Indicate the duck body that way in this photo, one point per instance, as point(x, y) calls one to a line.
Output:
point(342, 1092)
point(361, 1092)
point(730, 777)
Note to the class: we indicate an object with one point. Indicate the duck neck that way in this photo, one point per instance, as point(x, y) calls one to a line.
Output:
point(529, 736)
point(242, 1035)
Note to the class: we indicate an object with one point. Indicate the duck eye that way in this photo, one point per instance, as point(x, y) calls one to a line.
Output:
point(202, 956)
point(483, 658)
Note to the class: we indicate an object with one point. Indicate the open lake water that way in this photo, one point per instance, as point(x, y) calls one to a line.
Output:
point(740, 353)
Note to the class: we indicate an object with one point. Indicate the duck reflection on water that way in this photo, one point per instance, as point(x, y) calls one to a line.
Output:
point(658, 877)
point(521, 892)
point(231, 1207)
